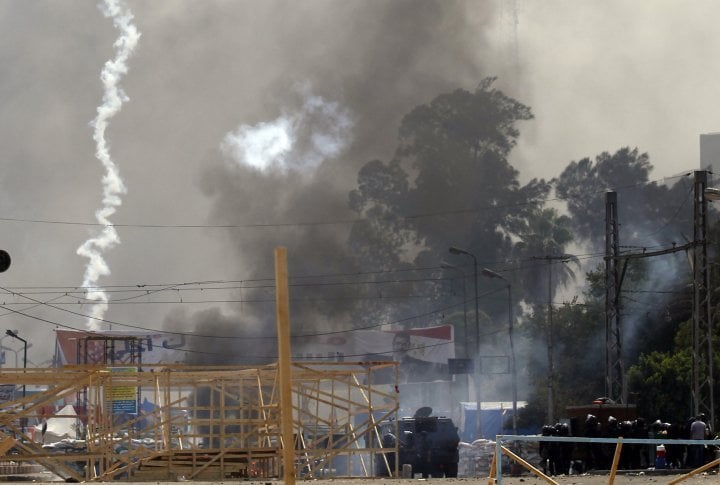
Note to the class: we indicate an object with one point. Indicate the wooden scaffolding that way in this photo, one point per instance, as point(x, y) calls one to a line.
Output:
point(170, 422)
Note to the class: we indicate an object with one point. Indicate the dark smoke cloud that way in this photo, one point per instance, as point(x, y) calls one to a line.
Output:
point(202, 69)
point(377, 60)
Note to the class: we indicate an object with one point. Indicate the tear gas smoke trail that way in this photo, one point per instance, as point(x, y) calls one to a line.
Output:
point(112, 184)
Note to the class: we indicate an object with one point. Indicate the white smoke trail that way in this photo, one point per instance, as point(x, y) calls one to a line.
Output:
point(112, 184)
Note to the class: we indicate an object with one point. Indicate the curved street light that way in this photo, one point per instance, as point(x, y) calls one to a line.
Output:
point(446, 265)
point(456, 250)
point(513, 371)
point(12, 334)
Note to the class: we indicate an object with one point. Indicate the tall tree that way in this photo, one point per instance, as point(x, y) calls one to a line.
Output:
point(448, 184)
point(544, 266)
point(650, 213)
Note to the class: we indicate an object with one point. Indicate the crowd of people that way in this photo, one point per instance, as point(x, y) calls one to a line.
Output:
point(558, 458)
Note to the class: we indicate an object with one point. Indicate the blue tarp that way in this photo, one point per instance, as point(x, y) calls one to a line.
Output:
point(493, 422)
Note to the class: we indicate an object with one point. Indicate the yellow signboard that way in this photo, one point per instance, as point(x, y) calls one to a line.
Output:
point(123, 399)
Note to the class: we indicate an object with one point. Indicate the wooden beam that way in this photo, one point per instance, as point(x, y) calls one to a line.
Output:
point(282, 300)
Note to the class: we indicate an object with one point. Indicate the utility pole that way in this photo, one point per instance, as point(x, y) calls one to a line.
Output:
point(702, 381)
point(702, 370)
point(615, 387)
point(445, 265)
point(549, 334)
point(465, 327)
point(478, 369)
point(511, 319)
point(550, 344)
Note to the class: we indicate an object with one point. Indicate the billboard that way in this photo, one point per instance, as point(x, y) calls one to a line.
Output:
point(80, 347)
point(422, 353)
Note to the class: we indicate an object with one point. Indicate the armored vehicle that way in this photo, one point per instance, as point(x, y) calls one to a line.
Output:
point(428, 443)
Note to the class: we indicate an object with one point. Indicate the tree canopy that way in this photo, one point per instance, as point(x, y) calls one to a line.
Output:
point(649, 211)
point(450, 183)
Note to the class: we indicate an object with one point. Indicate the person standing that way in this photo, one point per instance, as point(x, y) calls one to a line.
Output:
point(698, 431)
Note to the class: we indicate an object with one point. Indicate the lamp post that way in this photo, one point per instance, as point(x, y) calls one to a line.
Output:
point(550, 334)
point(25, 347)
point(455, 250)
point(445, 265)
point(511, 319)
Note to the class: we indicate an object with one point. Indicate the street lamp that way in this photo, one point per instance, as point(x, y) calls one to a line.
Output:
point(513, 371)
point(446, 265)
point(25, 347)
point(712, 193)
point(12, 334)
point(455, 250)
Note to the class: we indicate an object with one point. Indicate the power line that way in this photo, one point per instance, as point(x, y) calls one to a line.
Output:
point(317, 223)
point(182, 286)
point(220, 337)
point(191, 334)
point(251, 300)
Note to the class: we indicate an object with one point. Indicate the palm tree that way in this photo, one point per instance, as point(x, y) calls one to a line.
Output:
point(544, 235)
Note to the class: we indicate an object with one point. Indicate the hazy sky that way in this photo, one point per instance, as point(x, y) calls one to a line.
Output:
point(597, 75)
point(600, 75)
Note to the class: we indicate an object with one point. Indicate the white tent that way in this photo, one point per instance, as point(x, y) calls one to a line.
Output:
point(62, 425)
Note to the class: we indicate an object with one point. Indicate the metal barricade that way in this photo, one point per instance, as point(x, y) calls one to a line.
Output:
point(501, 449)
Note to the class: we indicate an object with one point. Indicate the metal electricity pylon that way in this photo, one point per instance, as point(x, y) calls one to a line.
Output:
point(615, 386)
point(702, 371)
point(702, 382)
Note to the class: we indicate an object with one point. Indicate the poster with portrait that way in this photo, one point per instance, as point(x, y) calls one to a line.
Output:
point(422, 353)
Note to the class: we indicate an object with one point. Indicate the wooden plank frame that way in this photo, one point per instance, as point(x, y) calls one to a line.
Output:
point(206, 423)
